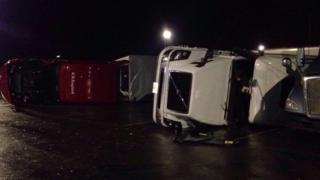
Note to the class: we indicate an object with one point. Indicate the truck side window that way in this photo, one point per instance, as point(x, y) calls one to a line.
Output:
point(165, 56)
point(180, 55)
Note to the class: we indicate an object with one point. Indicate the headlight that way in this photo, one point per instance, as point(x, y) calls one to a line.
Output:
point(155, 87)
point(291, 105)
point(295, 100)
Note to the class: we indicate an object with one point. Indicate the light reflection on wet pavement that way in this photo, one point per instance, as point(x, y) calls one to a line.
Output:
point(121, 142)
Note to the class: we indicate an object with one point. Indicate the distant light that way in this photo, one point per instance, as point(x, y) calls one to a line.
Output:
point(58, 56)
point(167, 34)
point(261, 47)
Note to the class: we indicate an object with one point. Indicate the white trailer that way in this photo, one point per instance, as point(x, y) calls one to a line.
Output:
point(137, 73)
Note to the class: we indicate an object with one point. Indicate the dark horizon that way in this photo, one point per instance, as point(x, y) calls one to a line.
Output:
point(111, 30)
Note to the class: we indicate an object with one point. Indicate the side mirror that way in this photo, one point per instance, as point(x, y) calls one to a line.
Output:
point(286, 62)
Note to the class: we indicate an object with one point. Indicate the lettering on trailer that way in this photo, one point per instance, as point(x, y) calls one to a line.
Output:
point(89, 82)
point(73, 79)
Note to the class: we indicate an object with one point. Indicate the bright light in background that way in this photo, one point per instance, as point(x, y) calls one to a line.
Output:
point(167, 34)
point(261, 47)
point(58, 56)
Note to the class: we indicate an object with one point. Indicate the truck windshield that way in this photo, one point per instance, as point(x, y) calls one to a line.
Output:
point(176, 55)
point(180, 55)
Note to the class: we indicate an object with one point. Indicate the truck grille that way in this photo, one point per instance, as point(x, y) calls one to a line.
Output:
point(313, 96)
point(179, 92)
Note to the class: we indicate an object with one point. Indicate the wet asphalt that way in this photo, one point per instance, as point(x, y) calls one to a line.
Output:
point(121, 142)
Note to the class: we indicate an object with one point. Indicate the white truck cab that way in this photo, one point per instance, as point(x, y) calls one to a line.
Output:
point(195, 87)
point(170, 58)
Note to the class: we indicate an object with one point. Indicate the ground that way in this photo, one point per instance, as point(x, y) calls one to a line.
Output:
point(121, 142)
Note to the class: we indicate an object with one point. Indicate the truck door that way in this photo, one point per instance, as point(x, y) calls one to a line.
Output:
point(124, 79)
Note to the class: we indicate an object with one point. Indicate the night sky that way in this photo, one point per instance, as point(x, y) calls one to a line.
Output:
point(100, 30)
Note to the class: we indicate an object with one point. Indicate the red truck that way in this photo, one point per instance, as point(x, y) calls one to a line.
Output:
point(49, 81)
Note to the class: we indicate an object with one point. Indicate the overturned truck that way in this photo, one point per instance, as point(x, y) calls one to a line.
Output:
point(27, 81)
point(196, 88)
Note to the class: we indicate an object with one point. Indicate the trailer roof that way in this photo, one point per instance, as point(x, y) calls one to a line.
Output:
point(311, 51)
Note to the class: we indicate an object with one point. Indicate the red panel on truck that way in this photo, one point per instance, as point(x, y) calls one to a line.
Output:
point(4, 82)
point(88, 82)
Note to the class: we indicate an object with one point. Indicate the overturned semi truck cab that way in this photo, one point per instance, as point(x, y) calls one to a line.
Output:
point(195, 86)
